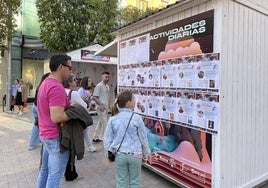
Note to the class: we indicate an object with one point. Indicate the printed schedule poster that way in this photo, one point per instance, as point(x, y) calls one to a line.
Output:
point(123, 53)
point(175, 77)
point(168, 76)
point(154, 103)
point(143, 48)
point(122, 77)
point(208, 72)
point(185, 74)
point(169, 106)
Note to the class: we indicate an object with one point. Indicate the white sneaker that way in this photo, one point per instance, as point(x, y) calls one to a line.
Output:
point(34, 147)
point(9, 111)
point(20, 113)
point(91, 149)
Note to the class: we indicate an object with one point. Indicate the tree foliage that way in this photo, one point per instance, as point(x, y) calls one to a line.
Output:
point(8, 8)
point(131, 14)
point(71, 24)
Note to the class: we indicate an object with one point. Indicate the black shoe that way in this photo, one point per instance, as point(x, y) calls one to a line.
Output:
point(97, 140)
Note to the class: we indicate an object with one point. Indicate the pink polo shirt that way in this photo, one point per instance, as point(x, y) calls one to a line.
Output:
point(50, 93)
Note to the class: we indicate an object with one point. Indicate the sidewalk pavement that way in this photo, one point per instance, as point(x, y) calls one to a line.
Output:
point(19, 166)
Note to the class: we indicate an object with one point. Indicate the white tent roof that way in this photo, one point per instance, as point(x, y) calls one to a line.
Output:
point(76, 55)
point(109, 50)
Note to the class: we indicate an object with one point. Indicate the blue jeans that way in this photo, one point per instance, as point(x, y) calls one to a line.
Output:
point(34, 139)
point(86, 137)
point(128, 171)
point(53, 164)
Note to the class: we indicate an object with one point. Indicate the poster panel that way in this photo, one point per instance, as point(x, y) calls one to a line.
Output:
point(185, 76)
point(175, 78)
point(154, 75)
point(154, 103)
point(168, 73)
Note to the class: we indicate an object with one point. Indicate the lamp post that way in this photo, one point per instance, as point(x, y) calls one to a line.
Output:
point(8, 89)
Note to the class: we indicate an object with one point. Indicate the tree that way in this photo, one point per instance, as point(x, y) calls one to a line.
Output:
point(130, 14)
point(70, 24)
point(8, 8)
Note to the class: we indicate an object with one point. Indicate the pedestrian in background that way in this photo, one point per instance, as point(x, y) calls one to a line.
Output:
point(101, 96)
point(21, 96)
point(126, 136)
point(84, 92)
point(13, 95)
point(115, 90)
point(34, 141)
point(76, 98)
point(52, 101)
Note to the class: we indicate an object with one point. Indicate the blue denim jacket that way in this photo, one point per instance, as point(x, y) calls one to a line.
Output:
point(135, 140)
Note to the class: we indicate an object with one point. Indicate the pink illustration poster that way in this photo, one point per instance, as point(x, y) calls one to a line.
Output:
point(176, 83)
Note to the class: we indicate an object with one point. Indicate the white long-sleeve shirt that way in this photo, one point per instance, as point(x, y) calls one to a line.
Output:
point(76, 98)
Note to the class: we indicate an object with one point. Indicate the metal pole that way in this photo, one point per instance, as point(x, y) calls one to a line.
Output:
point(8, 77)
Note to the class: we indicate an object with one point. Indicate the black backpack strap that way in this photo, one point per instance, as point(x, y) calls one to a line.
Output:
point(70, 95)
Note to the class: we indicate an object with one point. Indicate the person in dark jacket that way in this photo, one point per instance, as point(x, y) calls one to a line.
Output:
point(72, 137)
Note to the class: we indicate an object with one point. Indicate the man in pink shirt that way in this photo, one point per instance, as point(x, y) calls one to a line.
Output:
point(52, 101)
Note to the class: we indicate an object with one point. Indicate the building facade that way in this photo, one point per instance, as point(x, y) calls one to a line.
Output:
point(26, 54)
point(27, 51)
point(144, 4)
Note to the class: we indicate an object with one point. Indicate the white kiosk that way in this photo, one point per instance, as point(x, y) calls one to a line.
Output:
point(198, 69)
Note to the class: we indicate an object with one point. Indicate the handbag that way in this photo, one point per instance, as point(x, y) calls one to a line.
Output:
point(13, 102)
point(86, 101)
point(111, 155)
point(36, 121)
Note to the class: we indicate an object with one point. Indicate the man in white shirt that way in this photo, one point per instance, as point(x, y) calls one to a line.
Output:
point(101, 95)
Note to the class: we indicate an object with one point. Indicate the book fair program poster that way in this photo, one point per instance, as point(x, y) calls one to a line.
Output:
point(174, 76)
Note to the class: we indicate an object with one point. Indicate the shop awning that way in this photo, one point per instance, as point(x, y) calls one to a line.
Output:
point(32, 47)
point(87, 55)
point(109, 50)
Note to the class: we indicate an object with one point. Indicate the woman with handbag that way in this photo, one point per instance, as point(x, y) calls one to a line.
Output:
point(21, 97)
point(126, 137)
point(75, 98)
point(86, 85)
point(13, 95)
point(84, 90)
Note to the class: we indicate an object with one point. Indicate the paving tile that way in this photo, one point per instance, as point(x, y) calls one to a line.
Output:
point(19, 166)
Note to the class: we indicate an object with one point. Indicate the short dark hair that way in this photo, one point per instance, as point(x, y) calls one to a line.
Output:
point(56, 60)
point(105, 73)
